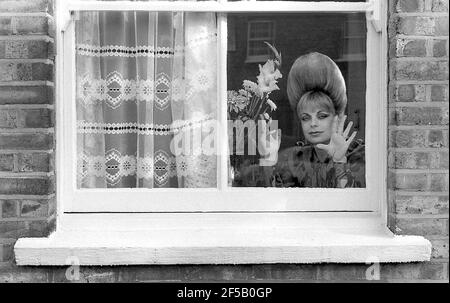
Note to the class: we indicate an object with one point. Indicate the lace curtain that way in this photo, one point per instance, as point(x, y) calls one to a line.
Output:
point(143, 79)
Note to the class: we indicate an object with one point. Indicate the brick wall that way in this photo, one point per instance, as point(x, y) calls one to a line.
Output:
point(418, 152)
point(26, 123)
point(418, 118)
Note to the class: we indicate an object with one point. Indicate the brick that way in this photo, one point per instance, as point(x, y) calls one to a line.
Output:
point(442, 26)
point(439, 160)
point(410, 6)
point(410, 93)
point(8, 229)
point(96, 275)
point(35, 162)
point(421, 160)
point(27, 49)
point(411, 48)
point(8, 118)
point(24, 275)
point(32, 229)
point(439, 248)
point(5, 26)
point(36, 118)
point(410, 181)
point(418, 138)
point(21, 228)
point(437, 138)
point(439, 182)
point(27, 6)
point(423, 205)
point(33, 208)
point(26, 95)
point(9, 209)
point(440, 48)
point(419, 70)
point(439, 6)
point(412, 271)
point(6, 252)
point(421, 116)
point(408, 138)
point(6, 162)
point(439, 93)
point(10, 71)
point(24, 25)
point(423, 26)
point(26, 141)
point(423, 227)
point(20, 186)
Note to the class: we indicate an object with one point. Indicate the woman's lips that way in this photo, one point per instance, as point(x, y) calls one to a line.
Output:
point(315, 133)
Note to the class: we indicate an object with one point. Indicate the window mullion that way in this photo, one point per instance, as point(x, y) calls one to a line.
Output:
point(222, 47)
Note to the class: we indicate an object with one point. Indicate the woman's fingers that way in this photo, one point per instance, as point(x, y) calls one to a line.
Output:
point(352, 137)
point(347, 130)
point(334, 126)
point(341, 124)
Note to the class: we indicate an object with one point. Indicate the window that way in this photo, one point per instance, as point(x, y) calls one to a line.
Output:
point(137, 78)
point(354, 40)
point(142, 80)
point(259, 31)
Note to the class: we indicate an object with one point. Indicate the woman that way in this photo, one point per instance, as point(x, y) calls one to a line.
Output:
point(329, 158)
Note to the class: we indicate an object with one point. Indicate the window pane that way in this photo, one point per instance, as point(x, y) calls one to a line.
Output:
point(146, 94)
point(331, 71)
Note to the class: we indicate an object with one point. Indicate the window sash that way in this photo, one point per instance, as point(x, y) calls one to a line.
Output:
point(223, 6)
point(223, 198)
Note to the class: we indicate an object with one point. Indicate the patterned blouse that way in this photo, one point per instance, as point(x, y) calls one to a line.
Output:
point(307, 166)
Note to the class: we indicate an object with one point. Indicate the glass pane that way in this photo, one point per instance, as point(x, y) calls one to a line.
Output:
point(260, 30)
point(258, 48)
point(319, 78)
point(146, 99)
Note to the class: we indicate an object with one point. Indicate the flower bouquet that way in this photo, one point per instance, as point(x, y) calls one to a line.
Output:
point(253, 99)
point(248, 105)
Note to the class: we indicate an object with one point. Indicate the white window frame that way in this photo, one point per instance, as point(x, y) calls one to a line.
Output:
point(239, 232)
point(259, 58)
point(370, 199)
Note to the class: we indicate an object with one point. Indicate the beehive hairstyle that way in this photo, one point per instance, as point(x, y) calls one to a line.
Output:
point(315, 72)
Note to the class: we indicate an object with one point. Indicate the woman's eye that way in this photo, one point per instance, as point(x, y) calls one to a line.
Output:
point(305, 118)
point(323, 116)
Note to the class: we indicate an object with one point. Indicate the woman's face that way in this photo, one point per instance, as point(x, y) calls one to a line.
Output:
point(317, 123)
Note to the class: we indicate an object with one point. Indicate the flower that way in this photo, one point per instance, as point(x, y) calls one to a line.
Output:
point(236, 102)
point(276, 53)
point(253, 101)
point(250, 86)
point(272, 105)
point(268, 76)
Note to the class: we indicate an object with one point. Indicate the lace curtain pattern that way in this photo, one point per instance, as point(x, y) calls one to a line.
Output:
point(143, 78)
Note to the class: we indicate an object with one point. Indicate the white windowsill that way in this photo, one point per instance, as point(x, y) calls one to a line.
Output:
point(221, 238)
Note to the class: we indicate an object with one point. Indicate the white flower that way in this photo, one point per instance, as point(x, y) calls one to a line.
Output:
point(250, 86)
point(272, 105)
point(268, 77)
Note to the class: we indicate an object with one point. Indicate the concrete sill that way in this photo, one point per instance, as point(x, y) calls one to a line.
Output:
point(220, 238)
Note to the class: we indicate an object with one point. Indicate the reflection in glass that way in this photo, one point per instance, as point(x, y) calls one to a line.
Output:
point(313, 114)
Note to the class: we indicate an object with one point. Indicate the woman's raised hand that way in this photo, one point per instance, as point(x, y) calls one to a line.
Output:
point(339, 142)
